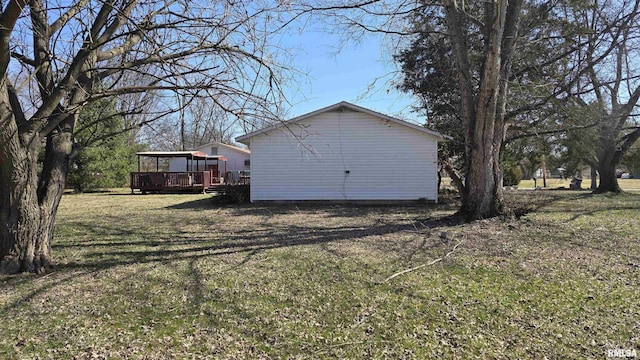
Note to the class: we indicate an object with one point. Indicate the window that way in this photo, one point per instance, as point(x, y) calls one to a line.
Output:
point(214, 150)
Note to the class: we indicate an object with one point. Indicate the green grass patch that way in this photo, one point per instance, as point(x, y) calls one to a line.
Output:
point(553, 183)
point(175, 276)
point(631, 185)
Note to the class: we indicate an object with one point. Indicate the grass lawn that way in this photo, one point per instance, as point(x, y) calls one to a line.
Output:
point(555, 183)
point(173, 276)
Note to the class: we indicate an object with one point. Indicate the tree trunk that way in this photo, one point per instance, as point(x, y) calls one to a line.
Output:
point(483, 104)
point(609, 156)
point(483, 189)
point(28, 217)
point(28, 203)
point(26, 235)
point(483, 198)
point(608, 180)
point(19, 210)
point(51, 188)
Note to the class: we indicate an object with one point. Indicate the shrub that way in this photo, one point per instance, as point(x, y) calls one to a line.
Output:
point(512, 174)
point(237, 194)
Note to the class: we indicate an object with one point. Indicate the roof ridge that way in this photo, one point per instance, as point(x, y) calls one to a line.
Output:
point(335, 107)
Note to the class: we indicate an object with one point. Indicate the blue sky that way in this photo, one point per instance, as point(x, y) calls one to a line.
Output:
point(345, 74)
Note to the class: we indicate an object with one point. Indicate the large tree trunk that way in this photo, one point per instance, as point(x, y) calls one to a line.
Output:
point(483, 107)
point(608, 180)
point(483, 189)
point(28, 202)
point(28, 211)
point(51, 188)
point(25, 236)
point(607, 169)
point(483, 197)
point(609, 156)
point(19, 211)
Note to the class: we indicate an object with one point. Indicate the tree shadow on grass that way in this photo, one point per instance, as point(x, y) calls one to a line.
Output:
point(38, 290)
point(338, 209)
point(169, 247)
point(521, 204)
point(548, 201)
point(141, 245)
point(128, 242)
point(126, 245)
point(198, 204)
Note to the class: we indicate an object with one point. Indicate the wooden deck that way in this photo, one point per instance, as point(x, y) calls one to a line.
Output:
point(237, 178)
point(166, 181)
point(186, 181)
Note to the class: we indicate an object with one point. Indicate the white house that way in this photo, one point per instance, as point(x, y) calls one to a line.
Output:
point(237, 157)
point(343, 152)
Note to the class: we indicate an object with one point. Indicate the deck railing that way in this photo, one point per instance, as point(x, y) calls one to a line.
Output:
point(171, 180)
point(237, 178)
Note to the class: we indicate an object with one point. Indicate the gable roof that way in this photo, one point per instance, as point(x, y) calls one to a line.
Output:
point(231, 147)
point(339, 106)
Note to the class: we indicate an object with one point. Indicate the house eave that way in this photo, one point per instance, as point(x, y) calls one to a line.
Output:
point(228, 146)
point(244, 139)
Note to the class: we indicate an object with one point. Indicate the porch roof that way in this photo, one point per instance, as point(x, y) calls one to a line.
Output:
point(194, 155)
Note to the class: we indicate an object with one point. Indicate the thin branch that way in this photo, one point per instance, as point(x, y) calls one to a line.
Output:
point(73, 11)
point(23, 59)
point(424, 265)
point(550, 132)
point(8, 19)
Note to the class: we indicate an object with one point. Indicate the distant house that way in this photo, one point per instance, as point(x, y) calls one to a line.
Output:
point(198, 174)
point(343, 152)
point(237, 158)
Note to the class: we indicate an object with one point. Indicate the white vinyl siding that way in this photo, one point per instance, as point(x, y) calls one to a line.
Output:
point(385, 160)
point(235, 159)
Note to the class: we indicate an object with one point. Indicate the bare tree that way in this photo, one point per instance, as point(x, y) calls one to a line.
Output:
point(58, 56)
point(194, 124)
point(482, 100)
point(207, 124)
point(482, 105)
point(612, 85)
point(581, 60)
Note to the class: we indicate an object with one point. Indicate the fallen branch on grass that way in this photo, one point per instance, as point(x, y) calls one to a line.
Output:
point(424, 265)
